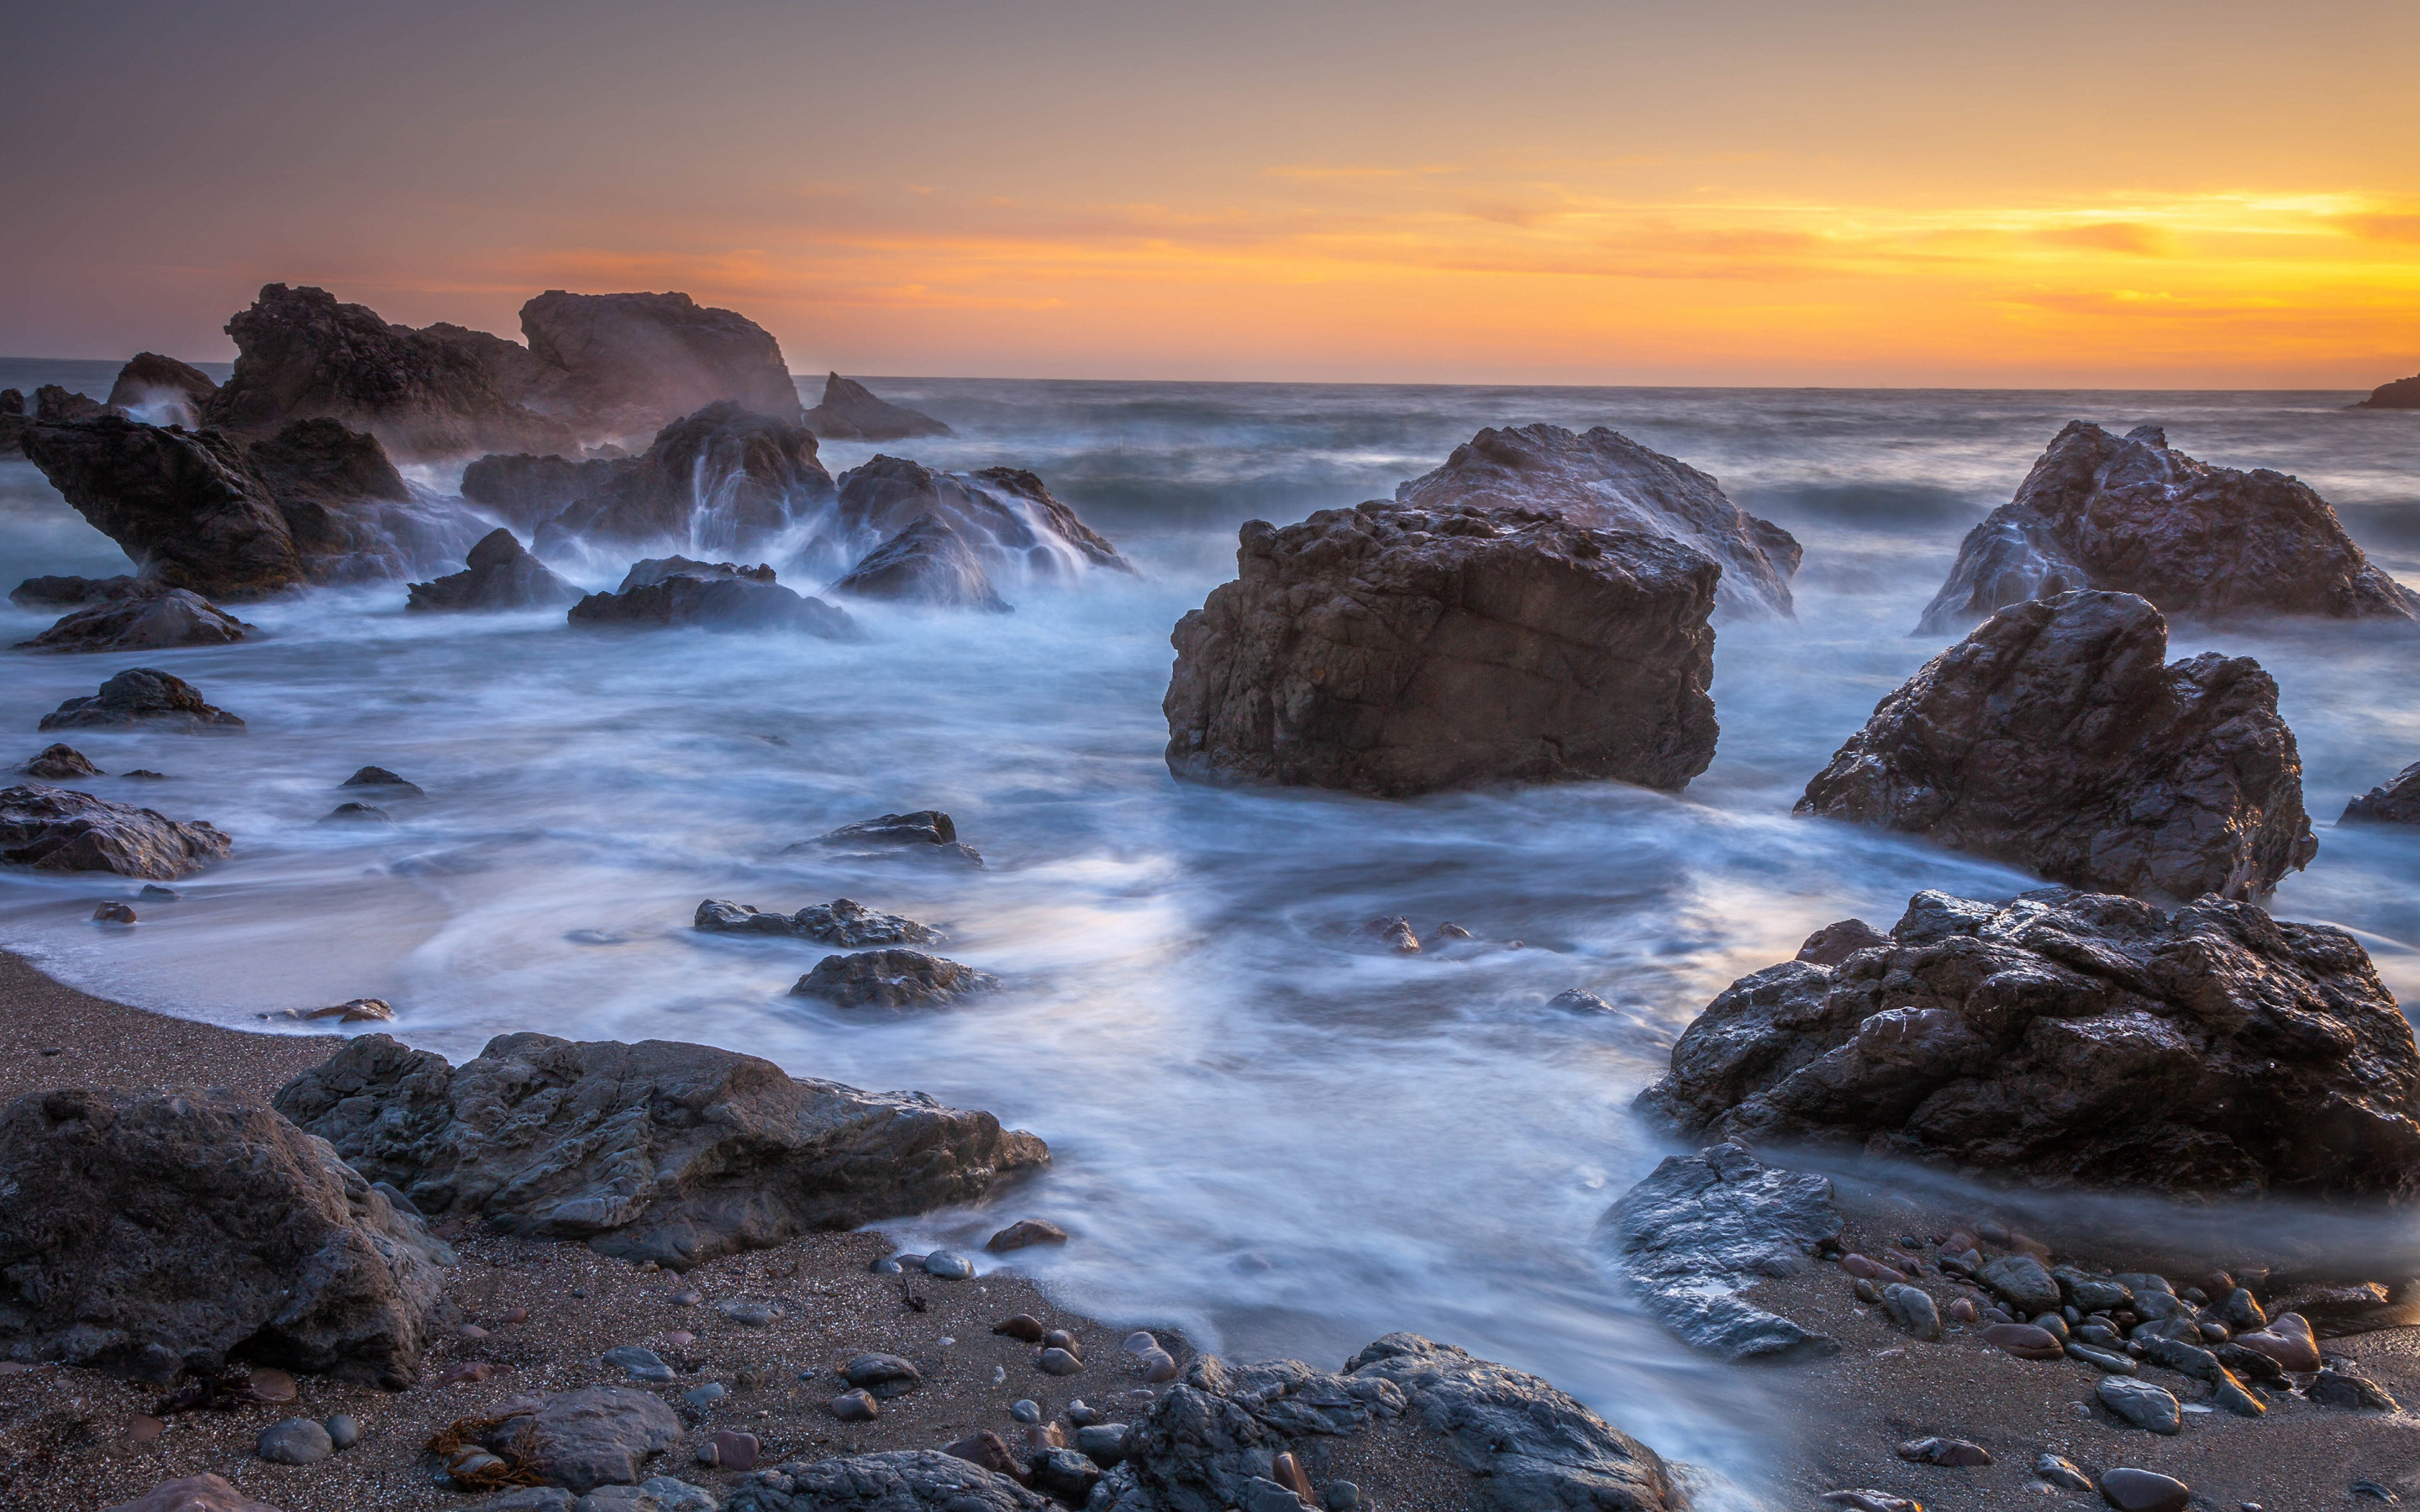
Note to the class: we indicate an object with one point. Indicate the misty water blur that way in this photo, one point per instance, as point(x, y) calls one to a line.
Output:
point(1267, 1130)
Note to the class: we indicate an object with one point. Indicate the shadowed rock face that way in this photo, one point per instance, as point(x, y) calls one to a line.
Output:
point(1605, 481)
point(1503, 1440)
point(851, 412)
point(1003, 516)
point(300, 354)
point(2079, 1038)
point(674, 591)
point(145, 1234)
point(2403, 394)
point(155, 619)
point(530, 490)
point(62, 829)
point(929, 563)
point(168, 389)
point(1702, 1227)
point(1394, 651)
point(657, 1150)
point(500, 575)
point(2055, 738)
point(632, 362)
point(2198, 541)
point(2396, 803)
point(727, 478)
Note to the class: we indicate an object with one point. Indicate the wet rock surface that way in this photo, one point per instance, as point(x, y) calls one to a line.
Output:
point(1605, 481)
point(924, 835)
point(2057, 738)
point(147, 1233)
point(656, 1150)
point(500, 574)
point(927, 563)
point(63, 829)
point(145, 698)
point(1004, 519)
point(2075, 1037)
point(894, 978)
point(853, 412)
point(1702, 1226)
point(726, 477)
point(2396, 802)
point(2132, 516)
point(844, 921)
point(1395, 651)
point(662, 593)
point(176, 393)
point(159, 618)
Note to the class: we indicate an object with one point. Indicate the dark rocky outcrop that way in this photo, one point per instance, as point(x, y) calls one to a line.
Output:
point(156, 617)
point(54, 403)
point(632, 362)
point(926, 835)
point(149, 1233)
point(726, 478)
point(2198, 541)
point(844, 921)
point(1702, 1227)
point(530, 490)
point(2056, 738)
point(1004, 517)
point(63, 592)
point(1395, 651)
point(722, 595)
point(851, 412)
point(63, 829)
point(13, 421)
point(498, 575)
point(1499, 1441)
point(1605, 481)
point(2397, 802)
point(928, 562)
point(900, 1480)
point(2078, 1038)
point(60, 761)
point(893, 978)
point(145, 698)
point(301, 355)
point(167, 390)
point(2402, 393)
point(657, 1150)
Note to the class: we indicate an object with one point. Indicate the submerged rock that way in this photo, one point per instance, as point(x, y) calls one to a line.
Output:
point(926, 835)
point(498, 575)
point(61, 761)
point(159, 619)
point(2055, 738)
point(63, 829)
point(149, 1233)
point(2133, 516)
point(167, 391)
point(895, 978)
point(657, 1150)
point(1605, 481)
point(726, 477)
point(844, 921)
point(2401, 394)
point(1702, 1227)
point(1396, 651)
point(851, 412)
point(926, 563)
point(2077, 1037)
point(675, 590)
point(145, 698)
point(2397, 802)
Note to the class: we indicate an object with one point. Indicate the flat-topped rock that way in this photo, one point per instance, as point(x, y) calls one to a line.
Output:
point(1394, 651)
point(2130, 515)
point(850, 411)
point(145, 698)
point(499, 574)
point(656, 1150)
point(899, 1480)
point(2057, 738)
point(64, 829)
point(2079, 1038)
point(1605, 481)
point(2400, 393)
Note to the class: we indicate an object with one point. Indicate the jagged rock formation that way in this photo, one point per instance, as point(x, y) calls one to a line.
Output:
point(843, 921)
point(632, 362)
point(498, 575)
point(145, 698)
point(2077, 1037)
point(724, 478)
point(893, 978)
point(301, 355)
point(155, 619)
point(2396, 803)
point(1701, 1228)
point(63, 829)
point(928, 562)
point(1395, 650)
point(2053, 738)
point(167, 390)
point(851, 412)
point(146, 1234)
point(1004, 517)
point(720, 596)
point(52, 402)
point(1608, 481)
point(657, 1150)
point(2198, 541)
point(2402, 393)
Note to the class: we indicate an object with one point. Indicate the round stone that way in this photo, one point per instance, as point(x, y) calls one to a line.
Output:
point(854, 1407)
point(1057, 1362)
point(1024, 1410)
point(949, 1265)
point(296, 1440)
point(344, 1430)
point(2144, 1490)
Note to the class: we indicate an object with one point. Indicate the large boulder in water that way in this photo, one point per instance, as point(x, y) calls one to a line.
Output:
point(145, 698)
point(2402, 393)
point(726, 478)
point(2077, 1037)
point(632, 362)
point(300, 354)
point(1004, 517)
point(1487, 1438)
point(720, 595)
point(498, 575)
point(165, 390)
point(2132, 516)
point(2056, 738)
point(1606, 481)
point(64, 829)
point(149, 1234)
point(656, 1150)
point(852, 413)
point(1394, 650)
point(928, 562)
point(156, 619)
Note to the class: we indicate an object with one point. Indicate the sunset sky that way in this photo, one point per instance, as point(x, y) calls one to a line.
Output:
point(2216, 195)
